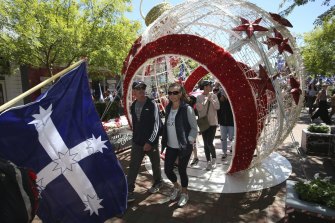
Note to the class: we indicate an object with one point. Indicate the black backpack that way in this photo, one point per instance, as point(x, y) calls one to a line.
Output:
point(18, 192)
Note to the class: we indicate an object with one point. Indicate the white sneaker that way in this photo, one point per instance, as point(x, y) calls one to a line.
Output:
point(183, 200)
point(213, 163)
point(174, 194)
point(209, 165)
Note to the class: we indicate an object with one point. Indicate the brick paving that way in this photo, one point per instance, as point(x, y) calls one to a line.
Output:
point(264, 206)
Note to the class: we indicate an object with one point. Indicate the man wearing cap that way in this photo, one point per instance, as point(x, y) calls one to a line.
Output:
point(207, 105)
point(146, 126)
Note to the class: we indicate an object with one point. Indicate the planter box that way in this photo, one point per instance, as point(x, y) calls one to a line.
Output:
point(299, 210)
point(317, 143)
point(121, 138)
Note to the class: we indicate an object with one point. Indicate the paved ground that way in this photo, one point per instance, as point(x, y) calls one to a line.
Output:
point(266, 205)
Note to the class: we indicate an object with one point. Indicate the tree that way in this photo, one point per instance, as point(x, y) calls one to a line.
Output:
point(321, 18)
point(319, 50)
point(57, 32)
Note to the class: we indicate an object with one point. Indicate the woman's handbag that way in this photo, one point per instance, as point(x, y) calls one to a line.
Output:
point(203, 122)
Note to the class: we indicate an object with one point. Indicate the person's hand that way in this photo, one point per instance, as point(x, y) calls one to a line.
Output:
point(212, 98)
point(147, 147)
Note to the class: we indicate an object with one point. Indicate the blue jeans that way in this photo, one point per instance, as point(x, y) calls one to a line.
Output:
point(226, 132)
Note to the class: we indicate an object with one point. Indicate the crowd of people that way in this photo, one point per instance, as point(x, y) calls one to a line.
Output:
point(178, 133)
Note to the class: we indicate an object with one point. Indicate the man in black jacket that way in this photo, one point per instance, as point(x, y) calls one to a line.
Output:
point(146, 127)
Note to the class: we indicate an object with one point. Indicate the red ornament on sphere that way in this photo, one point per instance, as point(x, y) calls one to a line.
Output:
point(269, 42)
point(250, 27)
point(295, 89)
point(281, 20)
point(263, 81)
point(281, 42)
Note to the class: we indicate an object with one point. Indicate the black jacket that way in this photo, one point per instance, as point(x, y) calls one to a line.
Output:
point(148, 128)
point(225, 114)
point(182, 126)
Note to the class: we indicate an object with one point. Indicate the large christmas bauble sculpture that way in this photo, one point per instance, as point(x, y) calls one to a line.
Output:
point(248, 50)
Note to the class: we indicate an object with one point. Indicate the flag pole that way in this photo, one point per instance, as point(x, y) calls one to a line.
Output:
point(40, 85)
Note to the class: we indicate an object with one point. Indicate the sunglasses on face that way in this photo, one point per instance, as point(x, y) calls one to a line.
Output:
point(173, 92)
point(140, 88)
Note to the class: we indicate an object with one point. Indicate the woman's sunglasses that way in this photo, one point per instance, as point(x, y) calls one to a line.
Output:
point(140, 88)
point(173, 92)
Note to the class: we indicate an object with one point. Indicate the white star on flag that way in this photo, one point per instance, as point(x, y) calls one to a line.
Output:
point(93, 204)
point(65, 161)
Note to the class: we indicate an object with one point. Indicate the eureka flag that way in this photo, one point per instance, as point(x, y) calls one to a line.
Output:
point(181, 75)
point(60, 136)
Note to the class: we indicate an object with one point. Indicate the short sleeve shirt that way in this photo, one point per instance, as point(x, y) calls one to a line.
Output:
point(138, 109)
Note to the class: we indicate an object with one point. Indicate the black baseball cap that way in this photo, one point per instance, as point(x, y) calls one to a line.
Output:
point(137, 84)
point(205, 83)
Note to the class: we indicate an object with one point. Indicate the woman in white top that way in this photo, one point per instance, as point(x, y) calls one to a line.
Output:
point(179, 135)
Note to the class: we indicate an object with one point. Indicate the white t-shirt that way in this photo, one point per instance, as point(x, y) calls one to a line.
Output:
point(171, 129)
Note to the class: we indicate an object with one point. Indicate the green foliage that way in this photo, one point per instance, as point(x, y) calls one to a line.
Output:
point(329, 13)
point(4, 66)
point(112, 112)
point(56, 33)
point(192, 64)
point(319, 50)
point(320, 191)
point(318, 128)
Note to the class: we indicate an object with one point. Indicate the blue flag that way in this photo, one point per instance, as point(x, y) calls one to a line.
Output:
point(61, 137)
point(181, 75)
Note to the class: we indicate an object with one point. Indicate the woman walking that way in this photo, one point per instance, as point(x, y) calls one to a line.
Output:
point(207, 105)
point(322, 110)
point(179, 134)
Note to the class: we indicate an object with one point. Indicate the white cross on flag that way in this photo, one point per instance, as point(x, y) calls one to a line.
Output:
point(60, 136)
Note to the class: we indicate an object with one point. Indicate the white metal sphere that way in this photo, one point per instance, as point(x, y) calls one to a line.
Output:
point(215, 20)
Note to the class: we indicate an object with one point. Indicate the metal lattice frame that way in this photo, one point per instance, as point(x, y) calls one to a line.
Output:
point(214, 21)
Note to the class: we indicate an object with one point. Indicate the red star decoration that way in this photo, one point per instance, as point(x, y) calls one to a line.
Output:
point(263, 81)
point(281, 42)
point(281, 20)
point(174, 61)
point(250, 27)
point(269, 42)
point(147, 70)
point(135, 46)
point(295, 89)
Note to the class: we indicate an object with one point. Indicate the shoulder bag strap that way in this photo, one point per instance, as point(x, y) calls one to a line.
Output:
point(207, 108)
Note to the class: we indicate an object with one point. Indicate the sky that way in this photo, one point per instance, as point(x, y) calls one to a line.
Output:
point(302, 17)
